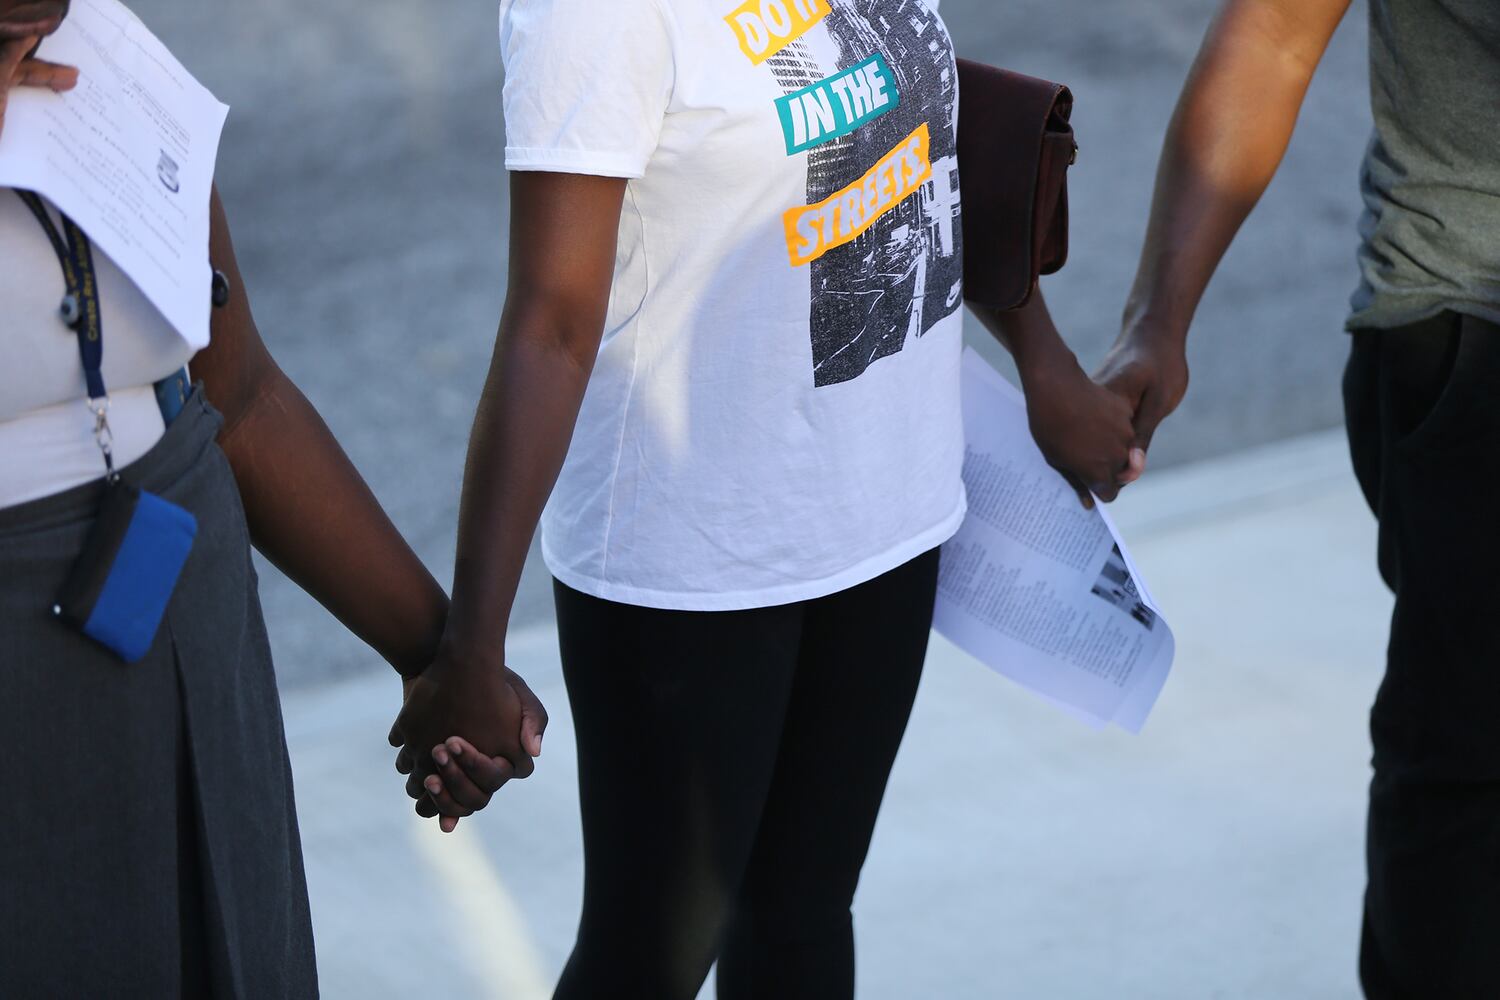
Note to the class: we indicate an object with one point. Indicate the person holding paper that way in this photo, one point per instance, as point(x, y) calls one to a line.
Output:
point(730, 353)
point(1422, 398)
point(151, 848)
point(20, 32)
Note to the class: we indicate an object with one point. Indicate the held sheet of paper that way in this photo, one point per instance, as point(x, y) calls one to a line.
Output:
point(1038, 588)
point(128, 155)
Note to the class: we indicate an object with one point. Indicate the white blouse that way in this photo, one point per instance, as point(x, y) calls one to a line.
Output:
point(46, 431)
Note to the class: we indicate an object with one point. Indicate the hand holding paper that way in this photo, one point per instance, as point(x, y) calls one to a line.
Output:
point(1037, 588)
point(19, 68)
point(128, 154)
point(1083, 429)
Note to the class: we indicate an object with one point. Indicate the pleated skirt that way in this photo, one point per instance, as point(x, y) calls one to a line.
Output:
point(148, 834)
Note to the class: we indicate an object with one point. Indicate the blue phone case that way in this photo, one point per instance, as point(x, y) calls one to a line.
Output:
point(119, 589)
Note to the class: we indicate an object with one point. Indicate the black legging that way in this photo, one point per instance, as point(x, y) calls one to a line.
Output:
point(731, 766)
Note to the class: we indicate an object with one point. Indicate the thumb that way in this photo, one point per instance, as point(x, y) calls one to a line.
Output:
point(1148, 417)
point(1130, 385)
point(533, 717)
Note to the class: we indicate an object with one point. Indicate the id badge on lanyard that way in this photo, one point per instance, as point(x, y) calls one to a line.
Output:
point(118, 590)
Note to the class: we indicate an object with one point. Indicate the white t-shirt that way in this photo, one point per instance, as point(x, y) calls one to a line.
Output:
point(46, 430)
point(774, 413)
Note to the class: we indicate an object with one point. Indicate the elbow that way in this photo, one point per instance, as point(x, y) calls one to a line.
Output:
point(567, 328)
point(1284, 40)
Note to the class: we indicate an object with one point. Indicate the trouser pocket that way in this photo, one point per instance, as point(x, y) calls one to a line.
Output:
point(1441, 392)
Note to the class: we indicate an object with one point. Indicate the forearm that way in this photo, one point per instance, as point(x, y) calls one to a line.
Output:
point(1082, 429)
point(1028, 333)
point(308, 509)
point(1227, 138)
point(521, 434)
point(313, 516)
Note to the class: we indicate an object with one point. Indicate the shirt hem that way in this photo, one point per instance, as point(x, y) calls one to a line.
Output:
point(1391, 316)
point(573, 161)
point(765, 597)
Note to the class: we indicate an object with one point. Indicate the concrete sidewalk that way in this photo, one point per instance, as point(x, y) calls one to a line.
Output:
point(1020, 855)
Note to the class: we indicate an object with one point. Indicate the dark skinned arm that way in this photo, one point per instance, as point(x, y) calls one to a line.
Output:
point(563, 234)
point(310, 513)
point(1232, 126)
point(308, 509)
point(1082, 429)
point(313, 516)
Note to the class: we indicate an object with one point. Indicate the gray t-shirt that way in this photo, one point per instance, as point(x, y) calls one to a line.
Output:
point(1431, 177)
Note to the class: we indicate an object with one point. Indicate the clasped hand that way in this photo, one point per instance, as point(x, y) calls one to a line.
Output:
point(500, 723)
point(1083, 429)
point(1096, 431)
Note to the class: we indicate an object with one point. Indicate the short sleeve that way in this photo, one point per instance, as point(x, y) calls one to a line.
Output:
point(587, 84)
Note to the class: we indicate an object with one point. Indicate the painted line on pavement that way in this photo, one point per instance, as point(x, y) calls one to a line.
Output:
point(491, 931)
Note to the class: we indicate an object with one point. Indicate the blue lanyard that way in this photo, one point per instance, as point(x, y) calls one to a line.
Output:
point(81, 308)
point(80, 311)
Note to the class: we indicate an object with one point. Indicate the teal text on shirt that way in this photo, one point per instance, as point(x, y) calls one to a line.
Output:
point(838, 105)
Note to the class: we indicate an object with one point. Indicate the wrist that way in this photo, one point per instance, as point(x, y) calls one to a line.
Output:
point(471, 652)
point(1033, 340)
point(423, 639)
point(1146, 324)
point(1045, 360)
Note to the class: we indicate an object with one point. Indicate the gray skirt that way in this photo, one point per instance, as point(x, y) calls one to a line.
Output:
point(149, 843)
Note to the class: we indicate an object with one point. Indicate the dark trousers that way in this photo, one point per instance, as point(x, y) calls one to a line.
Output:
point(1423, 407)
point(731, 767)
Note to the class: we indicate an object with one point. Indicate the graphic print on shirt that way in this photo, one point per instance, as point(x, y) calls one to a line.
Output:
point(881, 231)
point(765, 27)
point(838, 105)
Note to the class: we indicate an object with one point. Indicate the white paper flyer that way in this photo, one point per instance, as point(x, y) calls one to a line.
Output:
point(128, 155)
point(1038, 588)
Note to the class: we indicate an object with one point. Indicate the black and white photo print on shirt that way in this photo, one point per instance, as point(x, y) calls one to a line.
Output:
point(876, 116)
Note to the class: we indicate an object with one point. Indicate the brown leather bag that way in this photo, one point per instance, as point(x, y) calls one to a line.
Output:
point(1014, 149)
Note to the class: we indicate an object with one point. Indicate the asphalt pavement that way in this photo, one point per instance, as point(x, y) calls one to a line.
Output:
point(362, 170)
point(1020, 855)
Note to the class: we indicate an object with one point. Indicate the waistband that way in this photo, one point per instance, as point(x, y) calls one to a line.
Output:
point(178, 451)
point(1437, 320)
point(52, 449)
